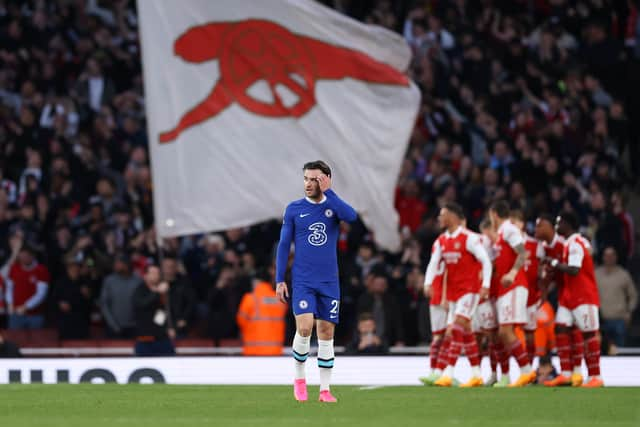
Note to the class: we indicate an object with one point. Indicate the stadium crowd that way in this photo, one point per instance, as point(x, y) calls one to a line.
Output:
point(531, 101)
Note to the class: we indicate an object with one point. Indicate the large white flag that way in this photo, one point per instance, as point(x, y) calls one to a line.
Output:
point(241, 93)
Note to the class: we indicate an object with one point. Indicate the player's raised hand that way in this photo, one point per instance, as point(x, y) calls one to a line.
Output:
point(282, 292)
point(324, 182)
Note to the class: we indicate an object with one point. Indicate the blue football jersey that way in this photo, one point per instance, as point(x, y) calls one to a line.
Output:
point(314, 228)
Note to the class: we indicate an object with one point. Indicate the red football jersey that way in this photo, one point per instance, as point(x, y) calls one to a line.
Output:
point(555, 250)
point(462, 266)
point(509, 237)
point(535, 252)
point(25, 282)
point(581, 288)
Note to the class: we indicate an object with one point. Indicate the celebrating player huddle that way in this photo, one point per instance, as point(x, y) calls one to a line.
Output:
point(482, 286)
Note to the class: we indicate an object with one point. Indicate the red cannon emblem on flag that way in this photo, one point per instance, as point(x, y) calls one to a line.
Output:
point(257, 50)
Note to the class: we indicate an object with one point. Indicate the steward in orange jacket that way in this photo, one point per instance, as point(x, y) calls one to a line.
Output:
point(261, 319)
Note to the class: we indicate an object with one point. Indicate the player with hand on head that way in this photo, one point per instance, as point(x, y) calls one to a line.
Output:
point(581, 297)
point(313, 224)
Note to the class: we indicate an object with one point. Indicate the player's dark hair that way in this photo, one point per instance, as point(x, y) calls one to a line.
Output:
point(318, 164)
point(485, 224)
point(455, 209)
point(501, 208)
point(365, 316)
point(571, 219)
point(517, 214)
point(545, 360)
point(546, 217)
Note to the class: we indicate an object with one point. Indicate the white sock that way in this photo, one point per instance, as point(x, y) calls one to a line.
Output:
point(577, 370)
point(566, 374)
point(475, 371)
point(526, 369)
point(325, 362)
point(437, 372)
point(300, 353)
point(448, 371)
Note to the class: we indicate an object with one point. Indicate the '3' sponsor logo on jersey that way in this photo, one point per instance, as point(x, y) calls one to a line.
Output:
point(318, 236)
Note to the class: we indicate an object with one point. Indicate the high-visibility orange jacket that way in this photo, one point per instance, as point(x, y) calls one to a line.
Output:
point(261, 319)
point(545, 335)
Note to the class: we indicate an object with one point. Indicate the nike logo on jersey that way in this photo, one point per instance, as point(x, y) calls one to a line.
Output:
point(303, 215)
point(332, 317)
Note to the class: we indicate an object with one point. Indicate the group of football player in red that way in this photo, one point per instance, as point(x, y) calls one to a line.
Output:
point(483, 285)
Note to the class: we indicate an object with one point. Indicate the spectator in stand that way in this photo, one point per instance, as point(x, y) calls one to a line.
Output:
point(116, 299)
point(383, 306)
point(618, 297)
point(72, 296)
point(223, 301)
point(618, 205)
point(366, 340)
point(410, 207)
point(182, 299)
point(27, 283)
point(152, 328)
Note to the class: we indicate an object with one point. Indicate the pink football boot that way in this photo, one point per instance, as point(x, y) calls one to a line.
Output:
point(326, 396)
point(300, 390)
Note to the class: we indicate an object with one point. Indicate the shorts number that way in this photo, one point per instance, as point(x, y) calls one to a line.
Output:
point(334, 303)
point(318, 236)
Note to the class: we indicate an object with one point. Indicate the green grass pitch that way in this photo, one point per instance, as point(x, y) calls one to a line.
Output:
point(263, 406)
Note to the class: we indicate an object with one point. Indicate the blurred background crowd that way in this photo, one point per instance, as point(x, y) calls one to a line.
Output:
point(533, 101)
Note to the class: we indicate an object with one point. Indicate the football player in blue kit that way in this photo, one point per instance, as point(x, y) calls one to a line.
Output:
point(313, 224)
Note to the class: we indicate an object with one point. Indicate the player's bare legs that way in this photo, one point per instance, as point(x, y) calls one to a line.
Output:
point(326, 357)
point(301, 344)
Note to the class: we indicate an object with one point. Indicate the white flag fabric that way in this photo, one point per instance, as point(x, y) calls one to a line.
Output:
point(241, 93)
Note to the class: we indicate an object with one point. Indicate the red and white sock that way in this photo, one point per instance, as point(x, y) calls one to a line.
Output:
point(436, 344)
point(457, 342)
point(493, 356)
point(531, 349)
point(443, 354)
point(471, 350)
point(563, 344)
point(577, 350)
point(593, 356)
point(518, 352)
point(503, 358)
